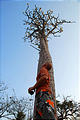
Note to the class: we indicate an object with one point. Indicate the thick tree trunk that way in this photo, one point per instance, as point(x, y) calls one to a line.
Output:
point(44, 56)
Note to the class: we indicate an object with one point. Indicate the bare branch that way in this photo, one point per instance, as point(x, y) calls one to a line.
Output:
point(39, 24)
point(35, 47)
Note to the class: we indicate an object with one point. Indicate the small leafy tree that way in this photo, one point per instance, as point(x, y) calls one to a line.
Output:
point(68, 109)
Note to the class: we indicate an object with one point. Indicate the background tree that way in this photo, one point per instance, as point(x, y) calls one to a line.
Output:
point(4, 103)
point(18, 109)
point(39, 26)
point(68, 109)
point(13, 108)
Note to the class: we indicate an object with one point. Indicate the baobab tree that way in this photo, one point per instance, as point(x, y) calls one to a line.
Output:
point(39, 26)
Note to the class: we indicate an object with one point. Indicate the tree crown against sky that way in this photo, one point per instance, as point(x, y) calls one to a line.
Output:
point(41, 25)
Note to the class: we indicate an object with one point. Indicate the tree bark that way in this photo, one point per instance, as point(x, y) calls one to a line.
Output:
point(44, 56)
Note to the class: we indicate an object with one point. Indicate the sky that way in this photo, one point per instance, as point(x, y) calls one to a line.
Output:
point(18, 60)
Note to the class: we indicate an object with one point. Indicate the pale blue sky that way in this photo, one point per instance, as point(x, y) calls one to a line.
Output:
point(19, 61)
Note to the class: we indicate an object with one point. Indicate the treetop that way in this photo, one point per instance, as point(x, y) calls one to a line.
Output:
point(40, 24)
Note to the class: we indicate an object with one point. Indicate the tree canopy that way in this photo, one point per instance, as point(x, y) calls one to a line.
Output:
point(68, 109)
point(40, 25)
